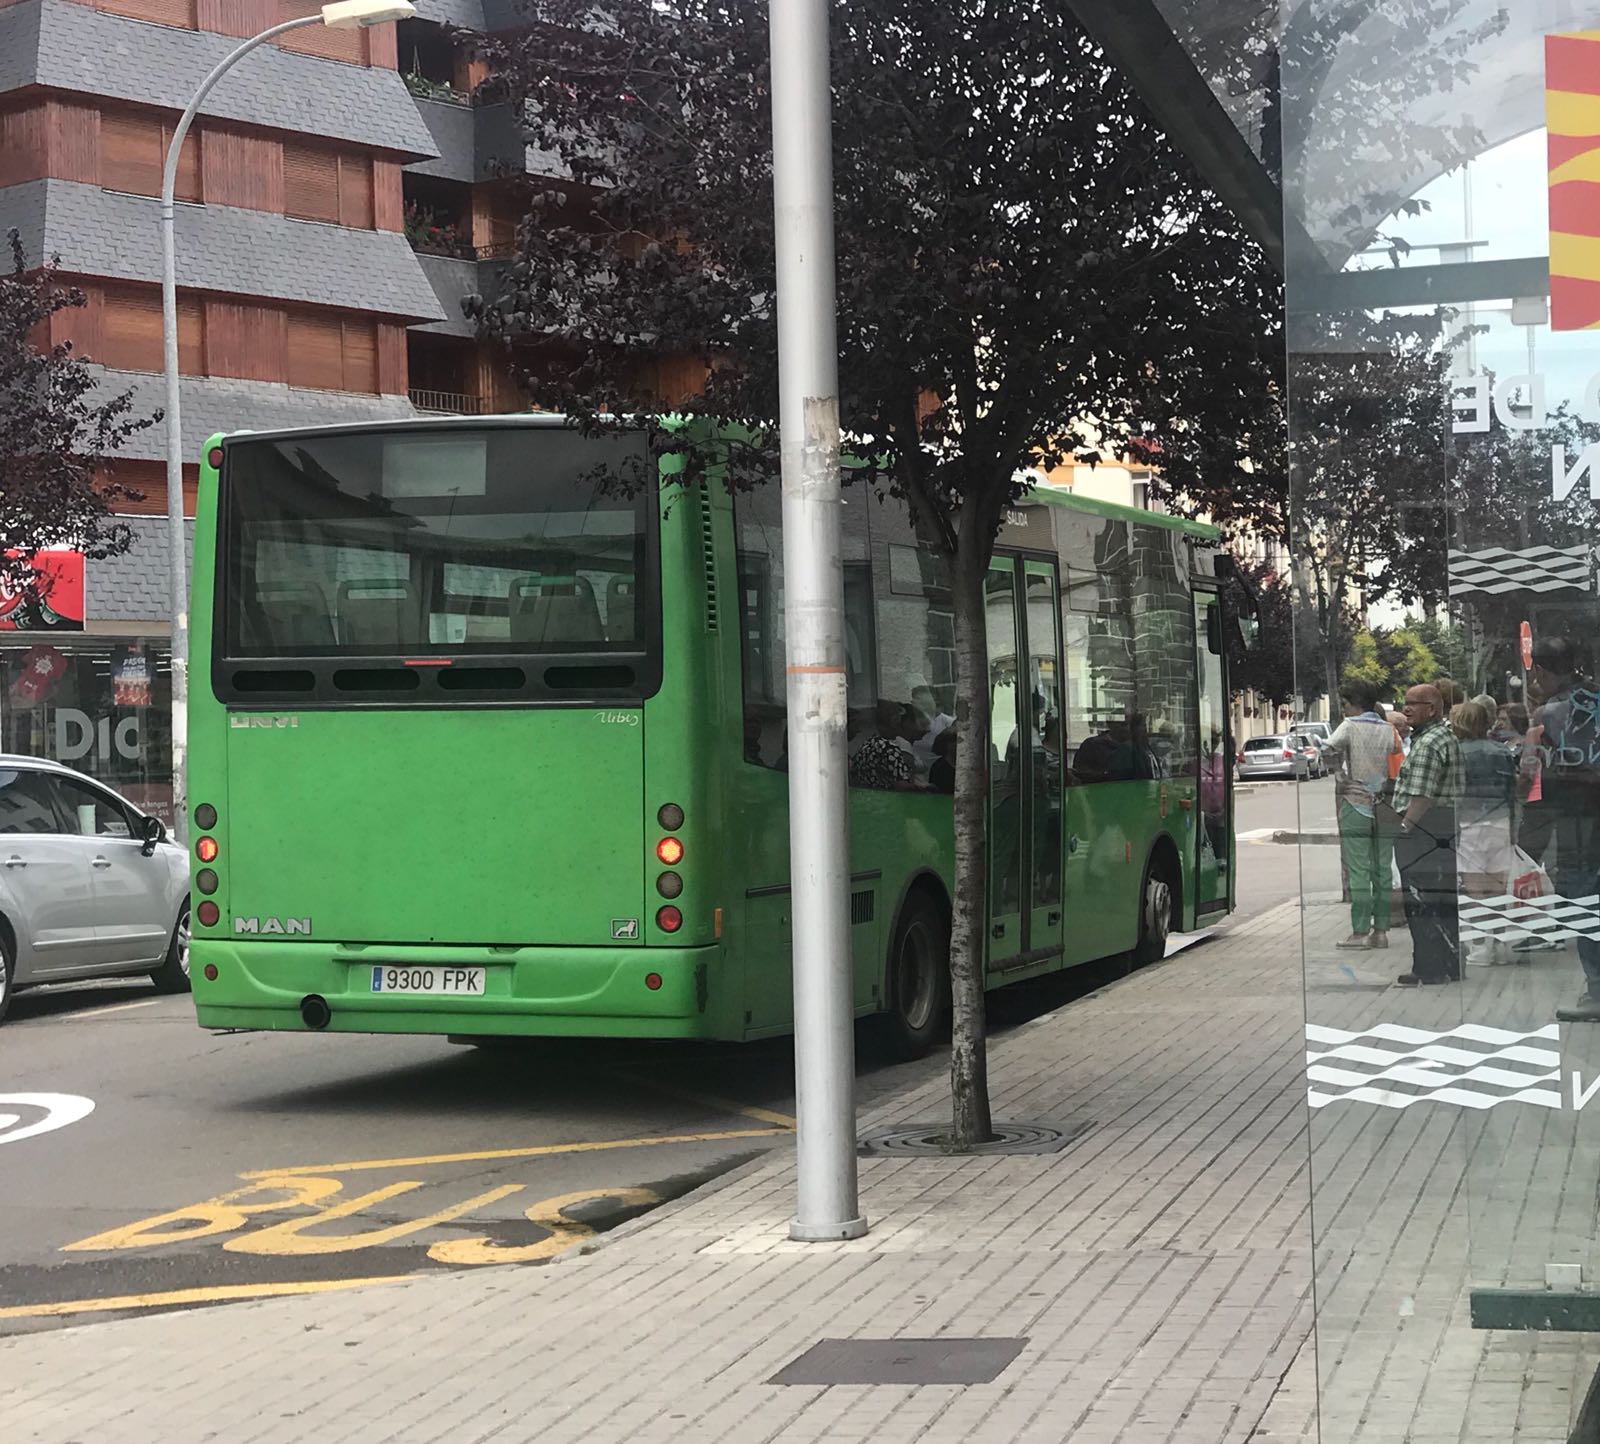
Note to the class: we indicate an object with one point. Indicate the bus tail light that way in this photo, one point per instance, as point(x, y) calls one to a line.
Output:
point(206, 880)
point(214, 458)
point(653, 982)
point(208, 913)
point(210, 971)
point(670, 816)
point(669, 884)
point(669, 919)
point(206, 849)
point(670, 851)
point(205, 817)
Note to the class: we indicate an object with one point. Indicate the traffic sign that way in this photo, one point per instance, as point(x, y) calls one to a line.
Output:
point(1527, 646)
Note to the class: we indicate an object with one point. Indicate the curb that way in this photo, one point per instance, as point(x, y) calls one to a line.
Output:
point(600, 1241)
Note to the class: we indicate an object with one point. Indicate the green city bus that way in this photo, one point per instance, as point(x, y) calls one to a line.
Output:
point(482, 743)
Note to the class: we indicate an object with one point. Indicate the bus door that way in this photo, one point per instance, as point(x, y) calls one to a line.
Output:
point(1214, 841)
point(1025, 697)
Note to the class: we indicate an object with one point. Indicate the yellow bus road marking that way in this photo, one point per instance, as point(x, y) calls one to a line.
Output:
point(215, 1293)
point(486, 1155)
point(289, 1238)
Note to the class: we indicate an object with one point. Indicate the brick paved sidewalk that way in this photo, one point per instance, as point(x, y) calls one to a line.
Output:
point(1159, 1270)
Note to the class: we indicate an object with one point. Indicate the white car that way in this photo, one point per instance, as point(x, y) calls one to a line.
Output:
point(90, 887)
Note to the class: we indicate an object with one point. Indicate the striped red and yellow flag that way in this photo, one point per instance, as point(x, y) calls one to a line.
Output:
point(1572, 112)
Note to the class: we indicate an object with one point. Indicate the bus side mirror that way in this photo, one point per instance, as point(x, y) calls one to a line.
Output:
point(153, 831)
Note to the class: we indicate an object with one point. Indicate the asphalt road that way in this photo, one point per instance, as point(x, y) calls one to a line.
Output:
point(1270, 872)
point(242, 1165)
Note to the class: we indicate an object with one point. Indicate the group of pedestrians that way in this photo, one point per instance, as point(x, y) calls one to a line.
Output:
point(1466, 796)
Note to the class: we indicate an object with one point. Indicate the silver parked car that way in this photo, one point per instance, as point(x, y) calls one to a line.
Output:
point(89, 886)
point(1279, 756)
point(1311, 744)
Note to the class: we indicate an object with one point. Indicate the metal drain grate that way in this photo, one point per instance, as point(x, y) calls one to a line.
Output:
point(901, 1361)
point(925, 1139)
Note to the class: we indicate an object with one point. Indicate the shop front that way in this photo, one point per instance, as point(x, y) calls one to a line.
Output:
point(100, 704)
point(83, 685)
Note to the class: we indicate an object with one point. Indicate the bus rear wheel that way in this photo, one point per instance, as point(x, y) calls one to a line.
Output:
point(1158, 902)
point(918, 977)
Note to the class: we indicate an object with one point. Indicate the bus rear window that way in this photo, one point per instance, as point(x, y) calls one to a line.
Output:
point(510, 541)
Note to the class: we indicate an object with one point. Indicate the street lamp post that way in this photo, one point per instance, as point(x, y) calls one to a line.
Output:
point(341, 15)
point(826, 1206)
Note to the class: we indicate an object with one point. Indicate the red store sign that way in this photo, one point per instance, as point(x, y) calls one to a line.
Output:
point(52, 602)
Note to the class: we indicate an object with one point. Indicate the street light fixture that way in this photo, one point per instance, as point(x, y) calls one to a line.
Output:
point(340, 15)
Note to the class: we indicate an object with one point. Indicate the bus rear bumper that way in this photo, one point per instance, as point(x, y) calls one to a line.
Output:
point(530, 991)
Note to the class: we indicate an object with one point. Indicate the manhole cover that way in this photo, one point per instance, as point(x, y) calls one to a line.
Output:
point(901, 1361)
point(929, 1138)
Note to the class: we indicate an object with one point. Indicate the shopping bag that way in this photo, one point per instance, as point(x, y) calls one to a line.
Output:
point(1528, 879)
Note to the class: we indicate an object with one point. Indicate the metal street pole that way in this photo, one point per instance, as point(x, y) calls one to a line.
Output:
point(179, 598)
point(827, 1206)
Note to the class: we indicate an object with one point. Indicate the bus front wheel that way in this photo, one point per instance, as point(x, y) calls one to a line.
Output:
point(919, 977)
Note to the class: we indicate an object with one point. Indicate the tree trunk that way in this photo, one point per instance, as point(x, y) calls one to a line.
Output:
point(969, 1056)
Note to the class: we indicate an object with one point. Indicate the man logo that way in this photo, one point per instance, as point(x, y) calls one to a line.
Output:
point(624, 929)
point(267, 927)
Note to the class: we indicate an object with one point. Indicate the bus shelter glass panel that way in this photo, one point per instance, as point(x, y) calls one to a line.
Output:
point(1439, 166)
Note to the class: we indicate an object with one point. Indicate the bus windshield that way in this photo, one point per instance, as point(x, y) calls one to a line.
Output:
point(436, 541)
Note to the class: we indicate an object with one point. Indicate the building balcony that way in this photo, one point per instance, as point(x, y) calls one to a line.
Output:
point(453, 125)
point(447, 403)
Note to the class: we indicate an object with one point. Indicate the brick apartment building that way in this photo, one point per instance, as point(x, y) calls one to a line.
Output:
point(339, 194)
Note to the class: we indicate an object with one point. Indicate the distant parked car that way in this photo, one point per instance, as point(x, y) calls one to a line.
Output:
point(1311, 744)
point(1278, 756)
point(90, 886)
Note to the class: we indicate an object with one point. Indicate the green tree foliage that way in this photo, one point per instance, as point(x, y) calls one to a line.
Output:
point(1028, 271)
point(1394, 659)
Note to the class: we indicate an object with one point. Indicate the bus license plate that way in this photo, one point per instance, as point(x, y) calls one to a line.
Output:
point(428, 980)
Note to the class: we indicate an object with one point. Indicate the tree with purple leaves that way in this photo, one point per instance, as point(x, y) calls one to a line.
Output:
point(58, 429)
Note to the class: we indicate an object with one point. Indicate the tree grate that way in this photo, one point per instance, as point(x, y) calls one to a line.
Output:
point(928, 1139)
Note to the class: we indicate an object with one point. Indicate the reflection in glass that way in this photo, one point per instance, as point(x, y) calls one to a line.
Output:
point(1006, 721)
point(1044, 733)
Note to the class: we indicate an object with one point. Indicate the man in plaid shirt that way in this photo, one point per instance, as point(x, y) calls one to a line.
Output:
point(1425, 799)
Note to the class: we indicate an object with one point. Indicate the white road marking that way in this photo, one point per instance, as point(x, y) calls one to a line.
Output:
point(60, 1109)
point(101, 1012)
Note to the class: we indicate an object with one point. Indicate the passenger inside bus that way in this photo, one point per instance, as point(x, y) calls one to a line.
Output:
point(1119, 752)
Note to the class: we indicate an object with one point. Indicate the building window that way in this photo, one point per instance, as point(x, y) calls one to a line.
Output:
point(349, 46)
point(133, 151)
point(332, 353)
point(178, 13)
point(320, 184)
point(130, 330)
